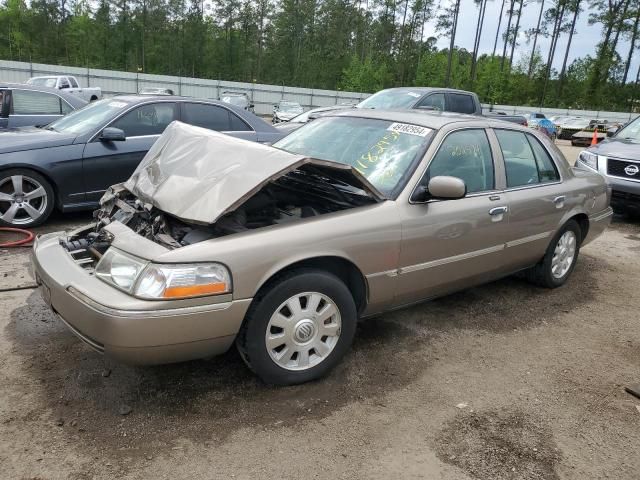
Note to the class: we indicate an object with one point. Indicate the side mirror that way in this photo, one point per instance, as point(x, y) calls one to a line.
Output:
point(447, 188)
point(111, 134)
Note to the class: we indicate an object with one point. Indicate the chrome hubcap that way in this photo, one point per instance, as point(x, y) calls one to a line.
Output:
point(564, 254)
point(303, 331)
point(23, 200)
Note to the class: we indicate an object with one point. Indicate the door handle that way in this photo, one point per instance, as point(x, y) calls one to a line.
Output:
point(559, 201)
point(498, 211)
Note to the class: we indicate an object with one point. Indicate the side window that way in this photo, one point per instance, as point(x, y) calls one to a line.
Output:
point(73, 82)
point(465, 154)
point(27, 102)
point(435, 100)
point(547, 170)
point(519, 161)
point(206, 116)
point(238, 125)
point(460, 103)
point(65, 107)
point(147, 119)
point(4, 101)
point(64, 83)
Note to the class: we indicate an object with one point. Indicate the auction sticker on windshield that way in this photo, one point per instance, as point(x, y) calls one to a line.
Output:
point(117, 104)
point(409, 129)
point(414, 94)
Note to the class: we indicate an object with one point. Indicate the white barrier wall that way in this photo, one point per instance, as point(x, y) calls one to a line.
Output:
point(264, 96)
point(114, 82)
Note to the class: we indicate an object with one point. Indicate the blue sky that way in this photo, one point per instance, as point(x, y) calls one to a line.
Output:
point(584, 41)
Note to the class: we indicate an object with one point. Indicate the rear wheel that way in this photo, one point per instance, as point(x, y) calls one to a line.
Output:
point(560, 258)
point(26, 198)
point(299, 329)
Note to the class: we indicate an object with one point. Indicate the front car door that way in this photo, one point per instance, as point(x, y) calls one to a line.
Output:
point(451, 244)
point(106, 163)
point(535, 193)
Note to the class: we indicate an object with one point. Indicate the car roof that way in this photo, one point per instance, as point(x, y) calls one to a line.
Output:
point(430, 119)
point(73, 100)
point(426, 90)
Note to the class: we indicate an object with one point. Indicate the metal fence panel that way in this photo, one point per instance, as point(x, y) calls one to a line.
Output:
point(264, 96)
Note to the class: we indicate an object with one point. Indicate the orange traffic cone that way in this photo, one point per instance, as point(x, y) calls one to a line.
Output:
point(594, 139)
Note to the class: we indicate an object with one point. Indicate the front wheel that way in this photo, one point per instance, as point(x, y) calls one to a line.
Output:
point(299, 329)
point(26, 198)
point(560, 258)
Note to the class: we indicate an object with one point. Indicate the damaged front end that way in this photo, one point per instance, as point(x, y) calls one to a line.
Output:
point(196, 185)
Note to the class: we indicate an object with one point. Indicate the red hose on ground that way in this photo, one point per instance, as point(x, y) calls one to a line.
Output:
point(29, 236)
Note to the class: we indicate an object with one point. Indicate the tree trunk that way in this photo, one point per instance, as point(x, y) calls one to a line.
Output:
point(535, 40)
point(566, 52)
point(515, 35)
point(552, 50)
point(476, 45)
point(506, 35)
point(453, 39)
point(634, 38)
point(495, 43)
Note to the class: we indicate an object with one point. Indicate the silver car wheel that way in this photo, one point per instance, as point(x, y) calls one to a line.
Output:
point(564, 254)
point(23, 200)
point(303, 331)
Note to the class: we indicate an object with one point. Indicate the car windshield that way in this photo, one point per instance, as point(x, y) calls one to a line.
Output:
point(390, 99)
point(631, 131)
point(43, 82)
point(87, 119)
point(383, 151)
point(291, 107)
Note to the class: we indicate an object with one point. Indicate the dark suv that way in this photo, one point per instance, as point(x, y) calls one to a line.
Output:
point(618, 160)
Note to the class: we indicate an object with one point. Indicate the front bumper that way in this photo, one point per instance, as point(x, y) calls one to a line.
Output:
point(625, 194)
point(128, 329)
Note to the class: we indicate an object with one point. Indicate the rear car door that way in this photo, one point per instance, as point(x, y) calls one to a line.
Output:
point(218, 118)
point(451, 244)
point(535, 194)
point(106, 163)
point(30, 107)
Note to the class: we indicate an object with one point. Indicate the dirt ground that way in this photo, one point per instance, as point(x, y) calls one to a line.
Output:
point(503, 381)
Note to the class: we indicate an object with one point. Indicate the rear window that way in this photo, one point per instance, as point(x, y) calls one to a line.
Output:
point(27, 102)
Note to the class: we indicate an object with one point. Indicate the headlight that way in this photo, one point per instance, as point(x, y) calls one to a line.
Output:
point(119, 269)
point(183, 281)
point(155, 281)
point(589, 159)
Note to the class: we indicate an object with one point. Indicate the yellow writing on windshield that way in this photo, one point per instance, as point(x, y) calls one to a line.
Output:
point(380, 147)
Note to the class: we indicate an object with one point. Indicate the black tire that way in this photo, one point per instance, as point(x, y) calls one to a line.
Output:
point(31, 178)
point(541, 273)
point(251, 339)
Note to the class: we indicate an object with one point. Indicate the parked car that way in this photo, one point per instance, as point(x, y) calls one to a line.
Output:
point(239, 99)
point(546, 126)
point(567, 128)
point(430, 98)
point(299, 120)
point(69, 84)
point(584, 137)
point(156, 91)
point(534, 117)
point(618, 160)
point(285, 111)
point(349, 216)
point(24, 105)
point(71, 162)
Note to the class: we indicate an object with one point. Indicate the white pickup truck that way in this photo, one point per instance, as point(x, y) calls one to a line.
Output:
point(68, 84)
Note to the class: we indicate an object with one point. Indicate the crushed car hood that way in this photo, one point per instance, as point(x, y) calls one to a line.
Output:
point(198, 175)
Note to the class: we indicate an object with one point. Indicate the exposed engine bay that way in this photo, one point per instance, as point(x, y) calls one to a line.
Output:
point(300, 194)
